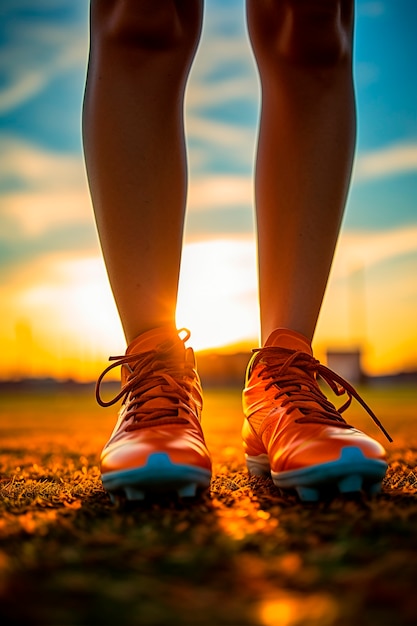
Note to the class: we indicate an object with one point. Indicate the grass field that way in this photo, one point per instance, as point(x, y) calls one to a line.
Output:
point(243, 555)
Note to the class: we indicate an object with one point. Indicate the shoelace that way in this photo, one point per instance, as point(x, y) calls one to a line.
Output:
point(295, 376)
point(150, 373)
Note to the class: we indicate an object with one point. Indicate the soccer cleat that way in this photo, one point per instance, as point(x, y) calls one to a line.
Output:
point(157, 445)
point(295, 434)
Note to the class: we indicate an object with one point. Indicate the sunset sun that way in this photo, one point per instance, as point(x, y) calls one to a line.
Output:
point(218, 292)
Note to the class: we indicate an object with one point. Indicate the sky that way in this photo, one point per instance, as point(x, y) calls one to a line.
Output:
point(57, 312)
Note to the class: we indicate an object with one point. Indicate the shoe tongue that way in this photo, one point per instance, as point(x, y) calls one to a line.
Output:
point(153, 338)
point(289, 339)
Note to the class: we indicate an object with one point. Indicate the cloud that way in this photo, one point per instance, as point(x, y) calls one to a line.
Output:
point(40, 50)
point(41, 189)
point(218, 145)
point(220, 205)
point(207, 93)
point(45, 204)
point(24, 165)
point(223, 94)
point(224, 69)
point(213, 192)
point(21, 250)
point(388, 161)
point(21, 89)
point(357, 250)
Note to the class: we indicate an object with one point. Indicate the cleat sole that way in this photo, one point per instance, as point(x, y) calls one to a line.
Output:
point(308, 494)
point(350, 484)
point(188, 491)
point(159, 475)
point(351, 473)
point(375, 489)
point(134, 494)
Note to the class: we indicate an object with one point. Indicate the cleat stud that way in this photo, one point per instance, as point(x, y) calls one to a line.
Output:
point(351, 454)
point(307, 494)
point(134, 494)
point(117, 500)
point(188, 491)
point(158, 460)
point(350, 484)
point(374, 489)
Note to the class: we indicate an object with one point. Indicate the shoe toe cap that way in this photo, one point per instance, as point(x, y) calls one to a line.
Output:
point(326, 447)
point(134, 452)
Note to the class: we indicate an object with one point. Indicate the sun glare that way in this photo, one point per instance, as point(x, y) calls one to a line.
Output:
point(218, 292)
point(216, 301)
point(63, 320)
point(59, 317)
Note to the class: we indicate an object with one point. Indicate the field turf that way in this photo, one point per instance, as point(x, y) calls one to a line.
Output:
point(242, 555)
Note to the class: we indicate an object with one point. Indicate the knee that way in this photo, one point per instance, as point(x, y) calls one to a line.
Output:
point(146, 25)
point(304, 32)
point(316, 32)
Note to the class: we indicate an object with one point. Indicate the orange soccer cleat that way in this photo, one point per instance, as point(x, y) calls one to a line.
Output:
point(292, 431)
point(157, 444)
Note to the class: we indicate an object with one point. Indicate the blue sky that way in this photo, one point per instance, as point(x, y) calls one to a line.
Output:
point(42, 69)
point(45, 212)
point(386, 94)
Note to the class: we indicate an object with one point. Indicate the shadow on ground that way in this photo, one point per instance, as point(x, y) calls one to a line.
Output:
point(242, 555)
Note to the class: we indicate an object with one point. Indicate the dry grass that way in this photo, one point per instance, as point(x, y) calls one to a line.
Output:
point(242, 555)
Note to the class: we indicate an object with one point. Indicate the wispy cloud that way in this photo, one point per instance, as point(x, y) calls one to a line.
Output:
point(357, 250)
point(214, 141)
point(21, 88)
point(26, 165)
point(223, 94)
point(388, 161)
point(206, 93)
point(41, 188)
point(213, 192)
point(39, 51)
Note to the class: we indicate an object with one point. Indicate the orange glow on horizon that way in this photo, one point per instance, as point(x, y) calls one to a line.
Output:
point(59, 318)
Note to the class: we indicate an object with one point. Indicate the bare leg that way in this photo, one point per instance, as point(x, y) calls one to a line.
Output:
point(306, 144)
point(140, 57)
